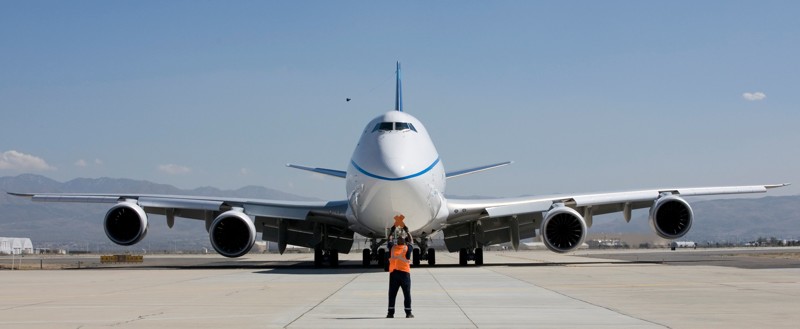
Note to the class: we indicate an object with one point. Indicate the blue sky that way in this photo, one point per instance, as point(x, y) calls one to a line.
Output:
point(583, 96)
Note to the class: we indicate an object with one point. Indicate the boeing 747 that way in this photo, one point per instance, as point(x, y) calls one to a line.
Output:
point(396, 177)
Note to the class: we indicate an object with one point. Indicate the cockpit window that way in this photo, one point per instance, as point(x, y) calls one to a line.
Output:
point(401, 126)
point(389, 126)
point(384, 126)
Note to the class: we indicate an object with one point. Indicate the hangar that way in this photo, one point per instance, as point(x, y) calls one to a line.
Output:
point(16, 246)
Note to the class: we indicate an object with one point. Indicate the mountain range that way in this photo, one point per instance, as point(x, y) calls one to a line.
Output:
point(78, 226)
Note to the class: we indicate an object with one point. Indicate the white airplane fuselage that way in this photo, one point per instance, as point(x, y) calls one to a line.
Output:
point(395, 170)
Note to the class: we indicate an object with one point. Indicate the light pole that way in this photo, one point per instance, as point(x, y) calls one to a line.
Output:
point(14, 251)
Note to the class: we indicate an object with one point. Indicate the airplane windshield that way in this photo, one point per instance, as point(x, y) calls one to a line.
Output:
point(389, 126)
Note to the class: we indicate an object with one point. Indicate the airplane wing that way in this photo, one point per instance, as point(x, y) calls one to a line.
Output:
point(566, 218)
point(324, 171)
point(464, 172)
point(286, 222)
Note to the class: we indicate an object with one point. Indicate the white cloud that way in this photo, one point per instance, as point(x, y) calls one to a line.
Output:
point(13, 160)
point(756, 96)
point(173, 169)
point(83, 163)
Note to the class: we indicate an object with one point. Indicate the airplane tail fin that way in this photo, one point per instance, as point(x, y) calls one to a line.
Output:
point(398, 96)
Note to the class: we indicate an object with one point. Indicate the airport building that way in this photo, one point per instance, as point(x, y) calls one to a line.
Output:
point(16, 246)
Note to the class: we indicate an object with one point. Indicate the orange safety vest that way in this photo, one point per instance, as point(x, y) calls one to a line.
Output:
point(398, 260)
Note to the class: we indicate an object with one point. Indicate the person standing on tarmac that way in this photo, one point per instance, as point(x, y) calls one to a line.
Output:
point(400, 270)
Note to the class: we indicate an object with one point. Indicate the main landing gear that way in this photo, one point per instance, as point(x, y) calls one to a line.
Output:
point(423, 253)
point(321, 256)
point(465, 255)
point(379, 256)
point(374, 254)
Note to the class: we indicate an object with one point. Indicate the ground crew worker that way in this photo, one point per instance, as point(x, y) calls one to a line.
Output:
point(400, 270)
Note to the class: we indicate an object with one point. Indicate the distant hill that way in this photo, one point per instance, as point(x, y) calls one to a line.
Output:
point(79, 226)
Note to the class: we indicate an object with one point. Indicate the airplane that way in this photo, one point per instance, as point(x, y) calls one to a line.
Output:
point(396, 178)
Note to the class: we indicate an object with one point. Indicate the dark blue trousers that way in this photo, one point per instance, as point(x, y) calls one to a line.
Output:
point(400, 279)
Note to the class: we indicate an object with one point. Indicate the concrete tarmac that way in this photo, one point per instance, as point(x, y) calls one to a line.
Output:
point(531, 289)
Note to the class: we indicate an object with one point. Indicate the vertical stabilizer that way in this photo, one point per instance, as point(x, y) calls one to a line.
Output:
point(398, 96)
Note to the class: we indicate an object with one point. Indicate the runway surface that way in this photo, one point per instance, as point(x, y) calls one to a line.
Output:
point(737, 288)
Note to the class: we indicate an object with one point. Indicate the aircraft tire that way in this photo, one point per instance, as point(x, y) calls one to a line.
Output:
point(479, 256)
point(462, 257)
point(334, 258)
point(381, 257)
point(318, 256)
point(431, 256)
point(366, 257)
point(415, 256)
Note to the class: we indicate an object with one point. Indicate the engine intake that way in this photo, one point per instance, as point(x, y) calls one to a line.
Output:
point(126, 224)
point(563, 229)
point(671, 217)
point(232, 234)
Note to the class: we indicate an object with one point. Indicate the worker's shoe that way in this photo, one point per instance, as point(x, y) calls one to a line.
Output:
point(389, 316)
point(409, 315)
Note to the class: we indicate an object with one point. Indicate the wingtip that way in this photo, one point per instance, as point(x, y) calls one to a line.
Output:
point(25, 195)
point(778, 185)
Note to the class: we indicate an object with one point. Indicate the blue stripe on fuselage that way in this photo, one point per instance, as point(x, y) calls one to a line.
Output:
point(397, 178)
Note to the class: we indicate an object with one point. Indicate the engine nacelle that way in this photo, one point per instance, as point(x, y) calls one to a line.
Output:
point(126, 223)
point(563, 229)
point(671, 217)
point(232, 233)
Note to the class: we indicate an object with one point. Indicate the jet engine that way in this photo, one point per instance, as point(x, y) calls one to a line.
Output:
point(563, 229)
point(126, 223)
point(671, 217)
point(232, 233)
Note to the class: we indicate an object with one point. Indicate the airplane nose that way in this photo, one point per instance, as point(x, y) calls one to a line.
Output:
point(396, 167)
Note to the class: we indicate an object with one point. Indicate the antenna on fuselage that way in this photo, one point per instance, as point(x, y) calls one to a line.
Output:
point(398, 96)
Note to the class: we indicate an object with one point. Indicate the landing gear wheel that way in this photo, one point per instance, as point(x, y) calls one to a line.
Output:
point(333, 257)
point(431, 256)
point(366, 257)
point(479, 256)
point(462, 257)
point(318, 257)
point(416, 258)
point(381, 257)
